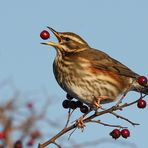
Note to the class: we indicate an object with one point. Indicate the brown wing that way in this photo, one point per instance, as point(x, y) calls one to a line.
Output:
point(101, 60)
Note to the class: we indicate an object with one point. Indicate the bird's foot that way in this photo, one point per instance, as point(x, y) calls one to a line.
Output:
point(96, 102)
point(80, 124)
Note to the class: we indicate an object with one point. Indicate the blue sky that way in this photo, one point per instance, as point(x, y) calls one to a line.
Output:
point(115, 26)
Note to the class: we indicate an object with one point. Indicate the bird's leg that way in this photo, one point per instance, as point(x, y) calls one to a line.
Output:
point(96, 101)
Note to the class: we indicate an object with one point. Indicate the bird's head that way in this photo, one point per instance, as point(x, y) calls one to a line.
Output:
point(68, 42)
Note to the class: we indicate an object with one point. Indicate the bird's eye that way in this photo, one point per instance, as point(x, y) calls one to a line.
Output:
point(67, 39)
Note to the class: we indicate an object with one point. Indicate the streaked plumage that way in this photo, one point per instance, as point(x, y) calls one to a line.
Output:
point(85, 73)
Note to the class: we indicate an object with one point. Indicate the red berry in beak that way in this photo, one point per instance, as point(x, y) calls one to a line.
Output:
point(44, 35)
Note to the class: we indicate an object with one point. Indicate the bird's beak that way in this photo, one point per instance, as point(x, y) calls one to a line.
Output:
point(57, 36)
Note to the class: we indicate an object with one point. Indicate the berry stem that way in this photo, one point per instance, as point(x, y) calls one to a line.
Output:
point(69, 115)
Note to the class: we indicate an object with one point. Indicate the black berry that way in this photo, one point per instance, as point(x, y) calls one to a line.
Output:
point(72, 105)
point(79, 103)
point(18, 144)
point(69, 97)
point(66, 103)
point(84, 109)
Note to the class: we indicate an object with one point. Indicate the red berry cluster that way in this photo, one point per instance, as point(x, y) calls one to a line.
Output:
point(33, 136)
point(116, 133)
point(2, 135)
point(142, 80)
point(68, 103)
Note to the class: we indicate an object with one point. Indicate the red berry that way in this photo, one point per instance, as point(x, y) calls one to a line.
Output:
point(115, 133)
point(30, 142)
point(2, 135)
point(18, 144)
point(69, 97)
point(66, 103)
point(125, 133)
point(44, 35)
point(84, 109)
point(142, 80)
point(141, 103)
point(72, 105)
point(35, 134)
point(30, 105)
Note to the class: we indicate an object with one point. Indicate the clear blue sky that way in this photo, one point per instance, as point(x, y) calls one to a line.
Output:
point(118, 27)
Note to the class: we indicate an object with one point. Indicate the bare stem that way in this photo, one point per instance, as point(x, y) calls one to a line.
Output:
point(106, 124)
point(123, 118)
point(69, 115)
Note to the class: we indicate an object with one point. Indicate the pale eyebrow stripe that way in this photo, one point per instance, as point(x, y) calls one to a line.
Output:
point(74, 39)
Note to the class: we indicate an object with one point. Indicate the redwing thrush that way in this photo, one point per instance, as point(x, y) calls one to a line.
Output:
point(90, 75)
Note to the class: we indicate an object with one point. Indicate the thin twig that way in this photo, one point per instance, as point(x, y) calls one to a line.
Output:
point(57, 145)
point(106, 124)
point(123, 118)
point(71, 133)
point(68, 118)
point(125, 93)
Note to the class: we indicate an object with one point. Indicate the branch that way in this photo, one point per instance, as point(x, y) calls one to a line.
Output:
point(53, 139)
point(90, 119)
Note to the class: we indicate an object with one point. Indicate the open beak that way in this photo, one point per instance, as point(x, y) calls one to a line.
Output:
point(57, 36)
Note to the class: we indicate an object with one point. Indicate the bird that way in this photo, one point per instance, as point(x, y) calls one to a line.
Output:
point(90, 75)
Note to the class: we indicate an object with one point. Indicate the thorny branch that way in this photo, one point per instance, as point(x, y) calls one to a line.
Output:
point(91, 118)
